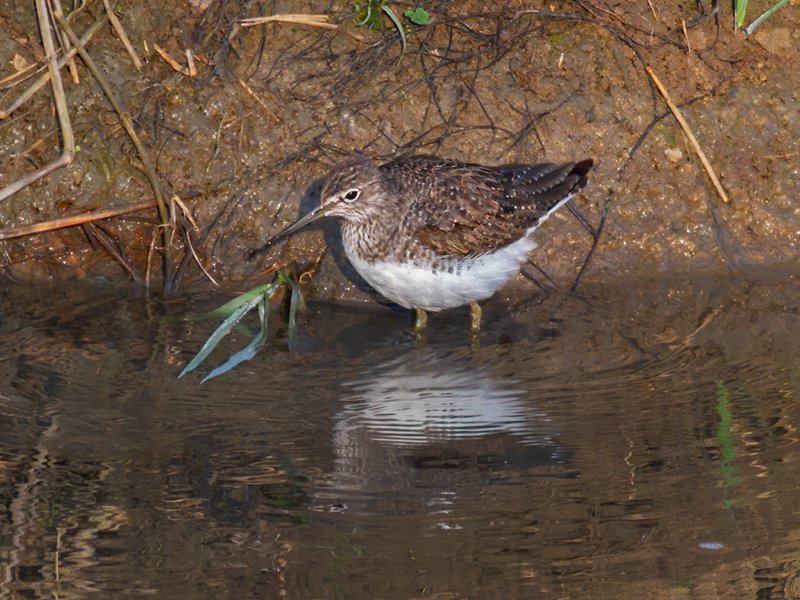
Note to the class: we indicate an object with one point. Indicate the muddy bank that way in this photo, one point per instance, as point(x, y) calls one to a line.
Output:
point(272, 107)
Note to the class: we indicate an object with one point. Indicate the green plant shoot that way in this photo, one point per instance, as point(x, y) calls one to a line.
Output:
point(418, 16)
point(259, 297)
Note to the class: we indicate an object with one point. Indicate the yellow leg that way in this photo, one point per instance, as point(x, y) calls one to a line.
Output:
point(420, 325)
point(475, 314)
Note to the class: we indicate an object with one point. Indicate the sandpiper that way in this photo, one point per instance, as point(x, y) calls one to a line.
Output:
point(430, 233)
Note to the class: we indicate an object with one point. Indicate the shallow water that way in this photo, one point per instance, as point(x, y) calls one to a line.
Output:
point(635, 441)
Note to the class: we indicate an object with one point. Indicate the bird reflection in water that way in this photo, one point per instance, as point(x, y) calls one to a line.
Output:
point(433, 414)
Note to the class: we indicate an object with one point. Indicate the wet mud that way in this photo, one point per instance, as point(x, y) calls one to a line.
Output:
point(272, 107)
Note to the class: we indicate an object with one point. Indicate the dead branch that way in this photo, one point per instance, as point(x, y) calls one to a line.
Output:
point(320, 21)
point(68, 151)
point(72, 221)
point(144, 154)
point(45, 77)
point(695, 144)
point(123, 37)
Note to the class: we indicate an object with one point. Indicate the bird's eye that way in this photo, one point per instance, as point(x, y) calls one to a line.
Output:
point(351, 195)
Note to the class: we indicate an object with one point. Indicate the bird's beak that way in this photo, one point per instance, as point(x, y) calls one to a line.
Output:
point(315, 214)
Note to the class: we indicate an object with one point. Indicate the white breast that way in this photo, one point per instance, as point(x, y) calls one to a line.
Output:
point(418, 285)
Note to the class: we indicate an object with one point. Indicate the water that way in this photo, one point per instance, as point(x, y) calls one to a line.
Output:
point(633, 441)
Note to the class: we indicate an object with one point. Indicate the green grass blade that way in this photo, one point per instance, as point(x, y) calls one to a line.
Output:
point(396, 22)
point(229, 307)
point(235, 310)
point(752, 27)
point(223, 330)
point(369, 18)
point(251, 349)
point(739, 12)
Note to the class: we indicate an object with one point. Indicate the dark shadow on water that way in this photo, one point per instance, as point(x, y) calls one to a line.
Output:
point(357, 327)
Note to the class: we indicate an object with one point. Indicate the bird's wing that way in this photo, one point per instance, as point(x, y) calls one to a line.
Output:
point(461, 213)
point(468, 209)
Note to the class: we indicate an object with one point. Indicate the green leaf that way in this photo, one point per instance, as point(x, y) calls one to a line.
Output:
point(296, 299)
point(230, 307)
point(251, 349)
point(223, 330)
point(368, 16)
point(294, 305)
point(365, 15)
point(739, 11)
point(418, 16)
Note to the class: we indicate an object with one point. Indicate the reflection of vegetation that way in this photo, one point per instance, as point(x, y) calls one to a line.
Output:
point(686, 586)
point(287, 495)
point(235, 310)
point(725, 441)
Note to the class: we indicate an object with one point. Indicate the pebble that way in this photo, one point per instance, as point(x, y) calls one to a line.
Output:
point(674, 155)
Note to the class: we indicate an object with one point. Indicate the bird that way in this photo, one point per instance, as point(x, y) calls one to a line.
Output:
point(431, 233)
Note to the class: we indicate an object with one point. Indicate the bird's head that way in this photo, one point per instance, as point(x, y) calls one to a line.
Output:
point(351, 191)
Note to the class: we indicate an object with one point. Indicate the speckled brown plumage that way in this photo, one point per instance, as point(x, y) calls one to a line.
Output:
point(445, 207)
point(431, 233)
point(461, 209)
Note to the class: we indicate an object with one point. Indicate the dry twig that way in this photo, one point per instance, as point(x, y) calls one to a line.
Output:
point(15, 78)
point(320, 21)
point(111, 245)
point(72, 221)
point(178, 203)
point(256, 97)
point(686, 35)
point(141, 150)
point(73, 68)
point(695, 144)
point(68, 152)
point(123, 37)
point(189, 71)
point(45, 77)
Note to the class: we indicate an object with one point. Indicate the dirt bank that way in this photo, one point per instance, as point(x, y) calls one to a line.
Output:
point(272, 107)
